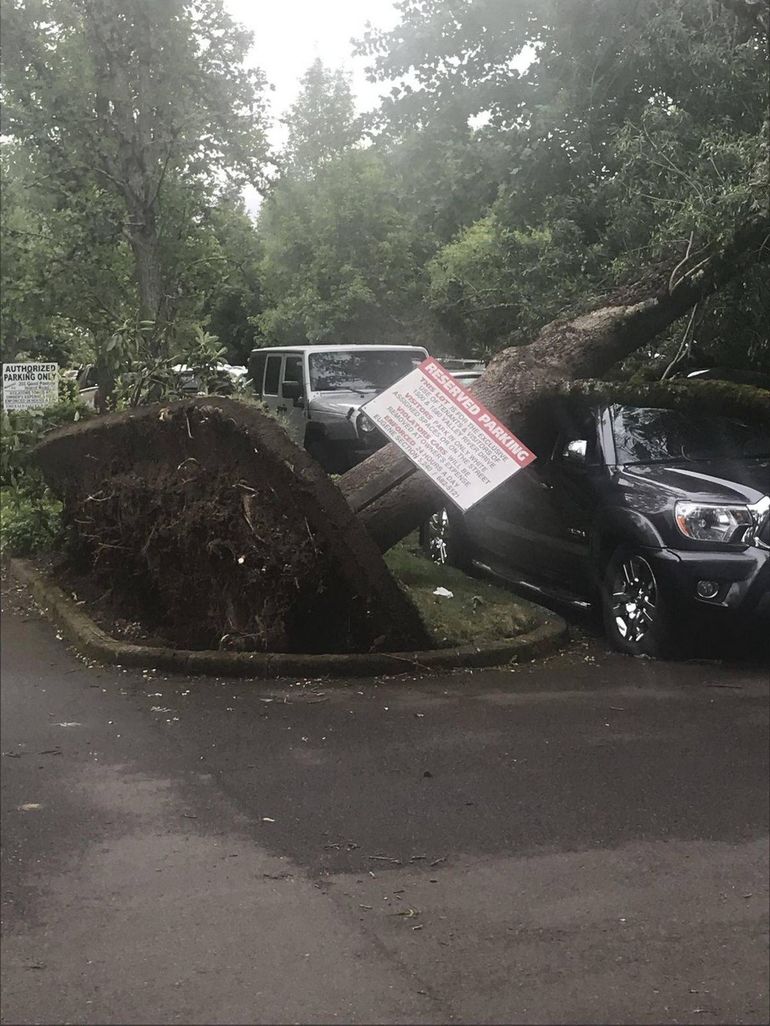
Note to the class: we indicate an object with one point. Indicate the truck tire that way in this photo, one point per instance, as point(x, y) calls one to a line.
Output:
point(443, 540)
point(636, 609)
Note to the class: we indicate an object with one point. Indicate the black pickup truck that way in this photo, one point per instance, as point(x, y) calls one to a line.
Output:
point(650, 512)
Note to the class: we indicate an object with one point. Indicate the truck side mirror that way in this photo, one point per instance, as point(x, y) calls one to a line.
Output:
point(576, 452)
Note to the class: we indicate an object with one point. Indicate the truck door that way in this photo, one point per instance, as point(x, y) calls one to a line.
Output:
point(271, 388)
point(292, 408)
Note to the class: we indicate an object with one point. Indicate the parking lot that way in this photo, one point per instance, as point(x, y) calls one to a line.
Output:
point(578, 840)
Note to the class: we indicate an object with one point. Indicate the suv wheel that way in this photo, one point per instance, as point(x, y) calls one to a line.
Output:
point(442, 540)
point(634, 605)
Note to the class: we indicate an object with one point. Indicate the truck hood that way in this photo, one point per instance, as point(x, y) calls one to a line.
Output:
point(719, 480)
point(338, 403)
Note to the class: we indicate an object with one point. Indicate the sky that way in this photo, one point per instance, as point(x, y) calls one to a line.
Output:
point(290, 34)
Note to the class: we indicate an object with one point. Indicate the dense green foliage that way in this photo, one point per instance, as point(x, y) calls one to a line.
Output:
point(29, 524)
point(639, 130)
point(527, 157)
point(29, 514)
point(132, 128)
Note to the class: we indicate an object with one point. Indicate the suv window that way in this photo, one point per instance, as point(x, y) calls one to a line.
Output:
point(361, 371)
point(292, 370)
point(272, 375)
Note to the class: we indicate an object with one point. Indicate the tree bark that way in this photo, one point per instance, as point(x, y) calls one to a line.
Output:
point(391, 497)
point(145, 245)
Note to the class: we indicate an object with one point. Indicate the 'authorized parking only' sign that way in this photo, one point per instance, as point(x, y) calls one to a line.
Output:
point(448, 434)
point(30, 386)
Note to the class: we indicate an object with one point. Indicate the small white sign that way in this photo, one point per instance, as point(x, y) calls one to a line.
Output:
point(448, 434)
point(30, 386)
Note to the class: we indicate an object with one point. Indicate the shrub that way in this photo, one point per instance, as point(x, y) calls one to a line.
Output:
point(28, 523)
point(30, 517)
point(21, 431)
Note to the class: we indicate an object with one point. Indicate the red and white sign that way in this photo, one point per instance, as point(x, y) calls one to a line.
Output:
point(448, 434)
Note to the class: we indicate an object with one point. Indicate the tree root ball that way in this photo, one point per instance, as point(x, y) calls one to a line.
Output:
point(209, 526)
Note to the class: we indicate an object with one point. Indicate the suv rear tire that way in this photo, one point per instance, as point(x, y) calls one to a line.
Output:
point(635, 606)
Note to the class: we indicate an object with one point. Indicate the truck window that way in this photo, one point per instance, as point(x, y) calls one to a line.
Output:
point(257, 370)
point(359, 370)
point(272, 375)
point(292, 370)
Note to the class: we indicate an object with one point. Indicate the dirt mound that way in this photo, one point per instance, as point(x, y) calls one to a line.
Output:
point(204, 522)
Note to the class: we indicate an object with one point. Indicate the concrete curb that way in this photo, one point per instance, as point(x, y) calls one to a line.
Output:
point(92, 641)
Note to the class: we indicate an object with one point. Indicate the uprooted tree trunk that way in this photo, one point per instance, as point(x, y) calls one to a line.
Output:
point(391, 497)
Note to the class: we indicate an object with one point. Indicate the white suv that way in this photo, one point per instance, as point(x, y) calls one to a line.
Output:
point(318, 391)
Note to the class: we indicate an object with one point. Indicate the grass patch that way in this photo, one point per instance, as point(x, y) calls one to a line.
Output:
point(477, 611)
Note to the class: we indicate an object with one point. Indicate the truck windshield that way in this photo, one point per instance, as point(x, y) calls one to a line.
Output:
point(647, 435)
point(352, 370)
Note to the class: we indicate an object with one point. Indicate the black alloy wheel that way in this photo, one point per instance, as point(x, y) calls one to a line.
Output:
point(435, 537)
point(635, 608)
point(443, 540)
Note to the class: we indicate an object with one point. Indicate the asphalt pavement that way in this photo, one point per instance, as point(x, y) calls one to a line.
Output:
point(579, 840)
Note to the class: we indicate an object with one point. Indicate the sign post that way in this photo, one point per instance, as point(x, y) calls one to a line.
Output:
point(30, 386)
point(449, 435)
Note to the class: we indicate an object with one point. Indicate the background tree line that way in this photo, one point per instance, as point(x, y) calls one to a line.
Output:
point(530, 156)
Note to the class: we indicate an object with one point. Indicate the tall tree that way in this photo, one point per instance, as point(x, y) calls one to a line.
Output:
point(127, 99)
point(65, 273)
point(342, 257)
point(322, 122)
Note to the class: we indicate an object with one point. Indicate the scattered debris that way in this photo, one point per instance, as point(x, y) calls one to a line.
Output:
point(443, 592)
point(30, 807)
point(407, 913)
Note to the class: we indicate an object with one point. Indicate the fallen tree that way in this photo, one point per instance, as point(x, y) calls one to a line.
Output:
point(204, 519)
point(391, 497)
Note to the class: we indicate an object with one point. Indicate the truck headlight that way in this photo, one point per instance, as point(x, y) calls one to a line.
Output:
point(365, 425)
point(713, 523)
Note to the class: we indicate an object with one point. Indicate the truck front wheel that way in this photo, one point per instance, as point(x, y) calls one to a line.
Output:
point(636, 608)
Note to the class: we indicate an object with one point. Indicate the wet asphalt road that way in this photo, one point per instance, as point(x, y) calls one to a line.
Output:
point(582, 840)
